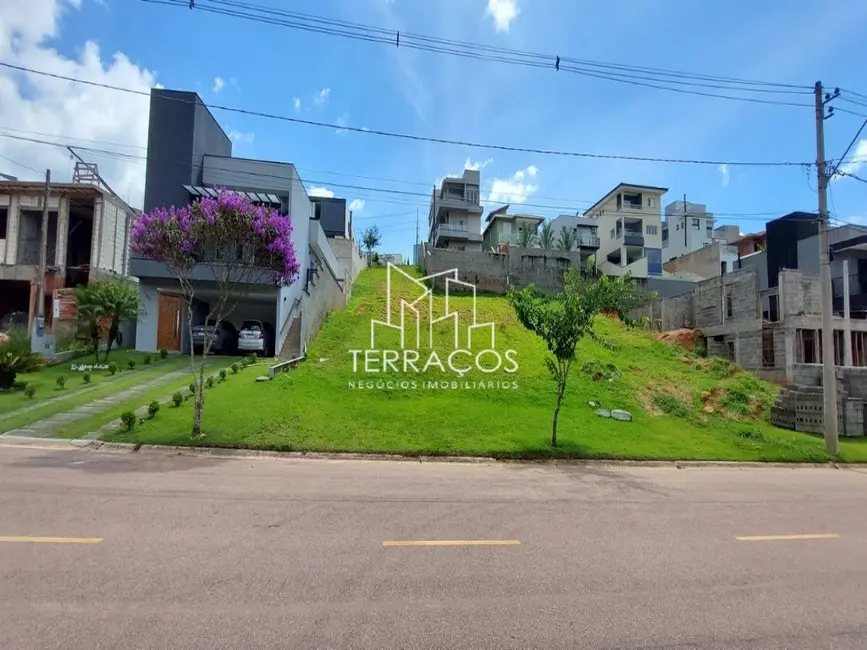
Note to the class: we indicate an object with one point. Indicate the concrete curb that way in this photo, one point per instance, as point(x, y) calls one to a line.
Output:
point(217, 452)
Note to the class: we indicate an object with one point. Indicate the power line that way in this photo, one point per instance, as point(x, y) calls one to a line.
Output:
point(15, 162)
point(403, 194)
point(851, 144)
point(856, 177)
point(614, 72)
point(419, 138)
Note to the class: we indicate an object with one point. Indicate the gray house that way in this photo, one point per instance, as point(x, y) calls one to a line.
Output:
point(189, 155)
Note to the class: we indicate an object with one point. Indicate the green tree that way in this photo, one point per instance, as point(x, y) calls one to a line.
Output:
point(561, 320)
point(105, 304)
point(526, 237)
point(546, 236)
point(566, 239)
point(370, 239)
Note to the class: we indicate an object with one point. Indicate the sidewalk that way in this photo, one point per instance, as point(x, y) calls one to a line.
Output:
point(49, 426)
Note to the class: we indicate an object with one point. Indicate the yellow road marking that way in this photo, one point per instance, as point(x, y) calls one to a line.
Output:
point(53, 540)
point(775, 538)
point(454, 542)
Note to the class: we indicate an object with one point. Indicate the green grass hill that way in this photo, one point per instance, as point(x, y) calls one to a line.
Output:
point(683, 406)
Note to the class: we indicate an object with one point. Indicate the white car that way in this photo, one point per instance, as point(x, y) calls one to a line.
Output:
point(251, 338)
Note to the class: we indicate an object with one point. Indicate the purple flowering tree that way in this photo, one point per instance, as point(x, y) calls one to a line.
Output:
point(238, 243)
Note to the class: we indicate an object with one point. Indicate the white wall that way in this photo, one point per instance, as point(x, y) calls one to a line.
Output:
point(146, 327)
point(300, 211)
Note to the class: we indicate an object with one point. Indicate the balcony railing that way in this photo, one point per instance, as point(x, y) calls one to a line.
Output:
point(631, 237)
point(451, 227)
point(629, 205)
point(587, 241)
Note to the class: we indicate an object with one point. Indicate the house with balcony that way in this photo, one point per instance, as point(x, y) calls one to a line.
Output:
point(585, 237)
point(189, 156)
point(629, 223)
point(456, 213)
point(686, 227)
point(502, 229)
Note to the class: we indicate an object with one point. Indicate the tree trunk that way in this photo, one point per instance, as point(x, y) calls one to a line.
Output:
point(94, 339)
point(112, 335)
point(200, 401)
point(561, 388)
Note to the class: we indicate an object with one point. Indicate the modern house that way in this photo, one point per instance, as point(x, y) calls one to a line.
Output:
point(189, 155)
point(686, 227)
point(585, 237)
point(456, 212)
point(502, 228)
point(87, 237)
point(333, 215)
point(629, 221)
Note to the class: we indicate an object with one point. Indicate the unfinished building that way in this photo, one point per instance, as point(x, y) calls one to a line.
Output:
point(87, 236)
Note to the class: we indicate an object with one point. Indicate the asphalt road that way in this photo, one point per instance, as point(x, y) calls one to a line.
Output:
point(204, 553)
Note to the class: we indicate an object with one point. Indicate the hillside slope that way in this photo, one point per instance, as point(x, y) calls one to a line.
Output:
point(684, 407)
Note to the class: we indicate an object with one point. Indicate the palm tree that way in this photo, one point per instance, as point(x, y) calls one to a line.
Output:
point(546, 236)
point(566, 239)
point(526, 237)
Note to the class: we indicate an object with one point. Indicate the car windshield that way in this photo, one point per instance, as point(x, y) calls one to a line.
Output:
point(253, 325)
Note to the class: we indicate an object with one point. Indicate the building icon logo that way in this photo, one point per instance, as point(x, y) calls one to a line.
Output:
point(434, 336)
point(417, 321)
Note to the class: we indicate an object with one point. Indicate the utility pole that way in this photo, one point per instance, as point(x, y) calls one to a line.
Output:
point(415, 250)
point(37, 342)
point(829, 379)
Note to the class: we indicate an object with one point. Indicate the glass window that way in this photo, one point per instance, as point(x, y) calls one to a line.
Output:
point(651, 202)
point(651, 230)
point(696, 223)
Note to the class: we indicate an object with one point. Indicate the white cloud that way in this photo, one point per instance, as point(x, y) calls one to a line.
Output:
point(503, 12)
point(724, 170)
point(218, 84)
point(477, 166)
point(859, 156)
point(342, 121)
point(356, 205)
point(241, 137)
point(320, 191)
point(515, 189)
point(296, 102)
point(322, 96)
point(32, 103)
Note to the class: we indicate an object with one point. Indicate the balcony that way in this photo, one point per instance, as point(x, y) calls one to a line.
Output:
point(587, 241)
point(631, 237)
point(455, 231)
point(458, 201)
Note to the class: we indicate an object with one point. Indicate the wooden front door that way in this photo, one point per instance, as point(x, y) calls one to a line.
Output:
point(169, 323)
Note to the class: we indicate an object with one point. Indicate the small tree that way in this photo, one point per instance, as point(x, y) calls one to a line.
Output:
point(237, 242)
point(103, 305)
point(526, 237)
point(370, 239)
point(561, 320)
point(566, 239)
point(546, 236)
point(91, 315)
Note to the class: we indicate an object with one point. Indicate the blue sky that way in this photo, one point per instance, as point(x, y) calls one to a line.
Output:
point(268, 68)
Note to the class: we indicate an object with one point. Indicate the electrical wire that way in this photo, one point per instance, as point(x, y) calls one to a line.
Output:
point(15, 162)
point(419, 138)
point(606, 71)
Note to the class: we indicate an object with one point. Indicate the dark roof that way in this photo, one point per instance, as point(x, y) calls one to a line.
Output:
point(500, 210)
point(619, 185)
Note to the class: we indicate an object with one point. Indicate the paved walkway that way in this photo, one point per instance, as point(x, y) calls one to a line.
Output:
point(47, 427)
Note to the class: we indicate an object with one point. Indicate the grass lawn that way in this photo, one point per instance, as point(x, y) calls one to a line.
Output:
point(73, 396)
point(684, 407)
point(45, 379)
point(84, 426)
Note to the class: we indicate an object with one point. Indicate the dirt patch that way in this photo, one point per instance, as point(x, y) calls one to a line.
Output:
point(645, 399)
point(362, 308)
point(688, 338)
point(711, 400)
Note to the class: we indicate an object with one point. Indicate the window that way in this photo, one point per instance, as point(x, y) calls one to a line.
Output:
point(651, 230)
point(730, 351)
point(729, 306)
point(4, 217)
point(696, 224)
point(317, 211)
point(723, 269)
point(651, 202)
point(612, 233)
point(677, 227)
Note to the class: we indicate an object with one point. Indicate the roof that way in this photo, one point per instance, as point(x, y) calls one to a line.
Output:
point(501, 213)
point(256, 197)
point(12, 187)
point(626, 185)
point(752, 235)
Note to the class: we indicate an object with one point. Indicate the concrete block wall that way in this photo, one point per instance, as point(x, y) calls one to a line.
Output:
point(326, 295)
point(748, 347)
point(799, 294)
point(710, 299)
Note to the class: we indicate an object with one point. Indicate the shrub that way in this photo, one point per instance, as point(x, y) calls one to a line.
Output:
point(153, 409)
point(163, 354)
point(68, 344)
point(61, 382)
point(187, 396)
point(129, 419)
point(86, 378)
point(15, 357)
point(178, 398)
point(223, 374)
point(147, 359)
point(30, 390)
point(670, 405)
point(131, 364)
point(251, 360)
point(193, 389)
point(235, 368)
point(112, 368)
point(209, 382)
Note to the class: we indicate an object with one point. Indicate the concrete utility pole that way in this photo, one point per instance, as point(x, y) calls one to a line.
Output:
point(415, 250)
point(37, 342)
point(829, 379)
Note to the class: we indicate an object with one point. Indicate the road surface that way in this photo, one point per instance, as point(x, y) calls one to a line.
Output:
point(108, 550)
